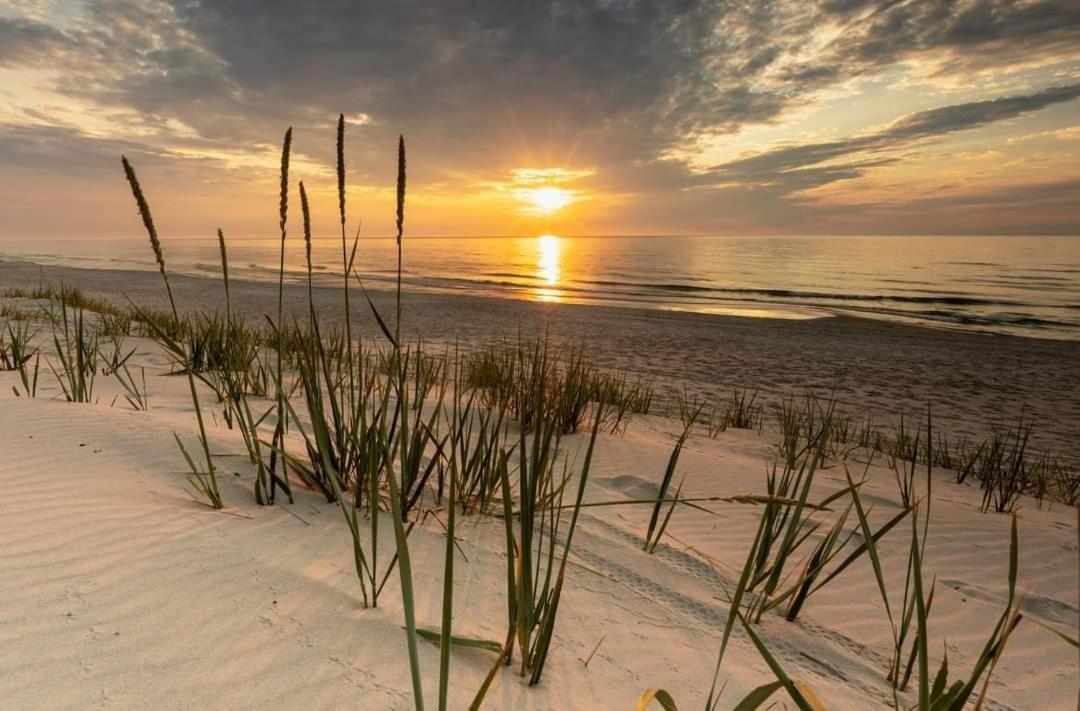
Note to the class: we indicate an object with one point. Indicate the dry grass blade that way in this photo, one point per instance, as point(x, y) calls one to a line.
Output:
point(660, 696)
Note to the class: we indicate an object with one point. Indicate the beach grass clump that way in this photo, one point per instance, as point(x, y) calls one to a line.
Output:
point(805, 424)
point(418, 432)
point(330, 445)
point(477, 435)
point(114, 353)
point(784, 526)
point(1005, 472)
point(507, 375)
point(16, 345)
point(690, 409)
point(904, 459)
point(536, 568)
point(741, 411)
point(813, 576)
point(359, 432)
point(76, 349)
point(622, 398)
point(653, 534)
point(345, 449)
point(12, 313)
point(1066, 484)
point(787, 522)
point(937, 692)
point(117, 357)
point(429, 373)
point(64, 293)
point(237, 374)
point(16, 352)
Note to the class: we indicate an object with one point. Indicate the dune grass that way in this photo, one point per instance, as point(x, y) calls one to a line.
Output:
point(16, 352)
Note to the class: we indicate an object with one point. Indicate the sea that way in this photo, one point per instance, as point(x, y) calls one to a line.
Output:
point(1026, 286)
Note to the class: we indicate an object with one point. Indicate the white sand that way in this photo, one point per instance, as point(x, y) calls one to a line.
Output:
point(117, 590)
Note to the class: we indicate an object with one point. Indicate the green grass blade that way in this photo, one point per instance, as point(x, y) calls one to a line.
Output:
point(438, 639)
point(796, 694)
point(758, 696)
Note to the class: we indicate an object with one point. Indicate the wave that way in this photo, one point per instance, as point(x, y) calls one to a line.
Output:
point(1026, 297)
point(952, 298)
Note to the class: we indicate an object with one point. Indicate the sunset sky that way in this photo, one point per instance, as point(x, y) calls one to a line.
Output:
point(601, 117)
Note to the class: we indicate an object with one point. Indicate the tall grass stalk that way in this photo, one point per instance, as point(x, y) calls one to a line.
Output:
point(205, 482)
point(400, 222)
point(236, 396)
point(404, 562)
point(448, 586)
point(346, 262)
point(225, 275)
point(331, 445)
point(278, 441)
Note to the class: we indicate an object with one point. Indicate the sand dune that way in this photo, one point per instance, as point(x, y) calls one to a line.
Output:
point(121, 591)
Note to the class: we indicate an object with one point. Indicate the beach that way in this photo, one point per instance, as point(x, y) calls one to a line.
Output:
point(648, 356)
point(976, 384)
point(122, 590)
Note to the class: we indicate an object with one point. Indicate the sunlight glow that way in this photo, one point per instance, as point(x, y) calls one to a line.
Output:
point(547, 200)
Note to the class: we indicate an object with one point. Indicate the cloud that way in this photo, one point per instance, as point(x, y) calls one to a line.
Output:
point(620, 93)
point(25, 42)
point(956, 37)
point(1043, 207)
point(797, 168)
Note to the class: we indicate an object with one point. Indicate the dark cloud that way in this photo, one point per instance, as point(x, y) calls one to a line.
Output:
point(52, 150)
point(936, 122)
point(611, 80)
point(957, 35)
point(26, 42)
point(480, 86)
point(790, 169)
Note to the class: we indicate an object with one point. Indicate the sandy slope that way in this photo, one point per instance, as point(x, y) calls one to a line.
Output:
point(119, 590)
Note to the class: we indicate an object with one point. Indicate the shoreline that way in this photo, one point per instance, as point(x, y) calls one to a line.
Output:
point(977, 383)
point(1032, 298)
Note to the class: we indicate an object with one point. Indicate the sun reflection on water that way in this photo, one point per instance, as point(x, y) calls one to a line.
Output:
point(549, 249)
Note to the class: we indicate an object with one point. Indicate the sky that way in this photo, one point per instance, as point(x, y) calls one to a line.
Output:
point(597, 117)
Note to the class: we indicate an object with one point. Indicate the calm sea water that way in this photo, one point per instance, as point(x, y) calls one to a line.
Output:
point(1026, 286)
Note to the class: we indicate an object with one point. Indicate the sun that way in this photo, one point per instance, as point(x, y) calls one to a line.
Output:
point(547, 200)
